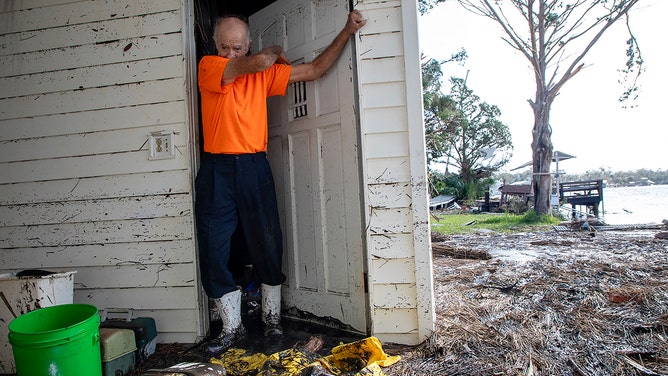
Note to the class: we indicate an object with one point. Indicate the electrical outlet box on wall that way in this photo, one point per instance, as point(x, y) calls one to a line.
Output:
point(161, 145)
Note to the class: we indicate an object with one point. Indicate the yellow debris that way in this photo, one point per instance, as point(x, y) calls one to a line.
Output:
point(361, 358)
point(237, 363)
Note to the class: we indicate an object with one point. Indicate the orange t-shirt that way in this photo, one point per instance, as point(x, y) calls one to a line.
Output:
point(234, 116)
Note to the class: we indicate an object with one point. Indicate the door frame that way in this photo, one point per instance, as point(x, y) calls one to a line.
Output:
point(193, 114)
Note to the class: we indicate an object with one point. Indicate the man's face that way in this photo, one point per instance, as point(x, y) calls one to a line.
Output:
point(232, 39)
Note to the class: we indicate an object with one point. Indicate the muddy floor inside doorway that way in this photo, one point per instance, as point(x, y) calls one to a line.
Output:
point(296, 334)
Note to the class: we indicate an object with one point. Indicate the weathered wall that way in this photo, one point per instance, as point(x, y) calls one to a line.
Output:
point(398, 244)
point(82, 85)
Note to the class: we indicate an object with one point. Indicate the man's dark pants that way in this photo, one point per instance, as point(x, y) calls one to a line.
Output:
point(237, 191)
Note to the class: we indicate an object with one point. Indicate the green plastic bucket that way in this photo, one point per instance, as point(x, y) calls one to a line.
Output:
point(61, 340)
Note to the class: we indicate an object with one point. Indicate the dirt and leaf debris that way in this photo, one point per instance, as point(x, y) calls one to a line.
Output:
point(545, 303)
point(548, 303)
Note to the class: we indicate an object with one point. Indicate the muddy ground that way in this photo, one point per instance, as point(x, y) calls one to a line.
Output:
point(544, 303)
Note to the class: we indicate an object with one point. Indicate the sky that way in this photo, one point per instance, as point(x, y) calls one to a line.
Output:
point(587, 119)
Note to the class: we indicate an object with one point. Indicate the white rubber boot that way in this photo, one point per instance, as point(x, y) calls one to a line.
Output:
point(271, 310)
point(229, 307)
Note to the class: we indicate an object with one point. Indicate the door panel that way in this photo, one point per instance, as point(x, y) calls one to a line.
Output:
point(313, 150)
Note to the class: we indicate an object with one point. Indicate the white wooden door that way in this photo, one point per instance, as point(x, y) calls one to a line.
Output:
point(313, 151)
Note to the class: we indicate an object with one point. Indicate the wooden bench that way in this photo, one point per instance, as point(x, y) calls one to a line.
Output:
point(587, 193)
point(521, 190)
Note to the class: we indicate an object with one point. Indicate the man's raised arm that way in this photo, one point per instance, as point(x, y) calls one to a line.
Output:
point(253, 63)
point(321, 64)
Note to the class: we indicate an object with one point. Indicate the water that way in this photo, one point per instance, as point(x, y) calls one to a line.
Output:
point(635, 205)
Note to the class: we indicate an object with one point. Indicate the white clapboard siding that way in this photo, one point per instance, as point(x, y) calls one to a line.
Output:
point(173, 325)
point(134, 276)
point(388, 94)
point(397, 225)
point(99, 32)
point(110, 254)
point(94, 211)
point(83, 85)
point(98, 76)
point(92, 121)
point(93, 98)
point(134, 139)
point(119, 231)
point(99, 187)
point(12, 5)
point(388, 170)
point(397, 325)
point(39, 15)
point(396, 295)
point(391, 246)
point(130, 49)
point(140, 298)
point(395, 195)
point(90, 166)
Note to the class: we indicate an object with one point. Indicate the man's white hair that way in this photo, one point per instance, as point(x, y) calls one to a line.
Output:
point(221, 19)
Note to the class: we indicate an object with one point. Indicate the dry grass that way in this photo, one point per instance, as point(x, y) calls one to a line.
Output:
point(555, 303)
point(572, 304)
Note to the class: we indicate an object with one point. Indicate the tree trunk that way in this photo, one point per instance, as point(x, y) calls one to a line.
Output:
point(542, 157)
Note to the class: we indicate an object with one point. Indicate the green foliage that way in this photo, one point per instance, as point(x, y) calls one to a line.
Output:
point(476, 129)
point(531, 217)
point(436, 183)
point(517, 205)
point(455, 185)
point(425, 6)
point(506, 222)
point(431, 77)
point(464, 130)
point(437, 107)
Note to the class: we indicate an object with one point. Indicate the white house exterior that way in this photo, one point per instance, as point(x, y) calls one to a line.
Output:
point(85, 84)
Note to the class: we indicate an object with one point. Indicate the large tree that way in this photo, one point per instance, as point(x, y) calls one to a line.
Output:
point(480, 144)
point(460, 127)
point(437, 106)
point(555, 36)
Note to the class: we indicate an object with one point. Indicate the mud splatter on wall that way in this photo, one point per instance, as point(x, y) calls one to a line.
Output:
point(82, 86)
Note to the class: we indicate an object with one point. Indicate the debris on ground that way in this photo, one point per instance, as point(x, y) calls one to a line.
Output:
point(459, 252)
point(187, 369)
point(363, 357)
point(545, 303)
point(548, 303)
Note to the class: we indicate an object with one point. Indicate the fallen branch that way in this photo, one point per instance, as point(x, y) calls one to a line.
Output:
point(504, 289)
point(577, 368)
point(470, 254)
point(644, 370)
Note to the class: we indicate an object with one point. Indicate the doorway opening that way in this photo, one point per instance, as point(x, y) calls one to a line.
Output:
point(206, 12)
point(313, 149)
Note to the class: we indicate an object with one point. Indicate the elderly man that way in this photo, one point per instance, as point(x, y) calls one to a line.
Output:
point(234, 185)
